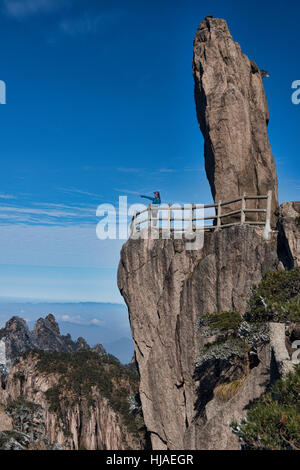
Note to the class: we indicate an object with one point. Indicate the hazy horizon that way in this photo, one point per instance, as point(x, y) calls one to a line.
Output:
point(53, 301)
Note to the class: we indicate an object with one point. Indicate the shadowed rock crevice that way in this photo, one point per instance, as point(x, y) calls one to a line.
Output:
point(288, 227)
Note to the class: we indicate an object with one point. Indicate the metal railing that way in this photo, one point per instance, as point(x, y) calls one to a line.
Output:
point(163, 217)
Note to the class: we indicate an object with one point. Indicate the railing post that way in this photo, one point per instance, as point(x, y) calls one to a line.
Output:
point(166, 232)
point(169, 218)
point(149, 220)
point(133, 225)
point(243, 213)
point(154, 216)
point(135, 222)
point(219, 215)
point(267, 230)
point(191, 217)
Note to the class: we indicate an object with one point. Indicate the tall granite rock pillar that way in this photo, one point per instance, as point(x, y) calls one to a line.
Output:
point(233, 116)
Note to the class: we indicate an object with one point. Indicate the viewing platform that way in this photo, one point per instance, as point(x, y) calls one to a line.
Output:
point(189, 218)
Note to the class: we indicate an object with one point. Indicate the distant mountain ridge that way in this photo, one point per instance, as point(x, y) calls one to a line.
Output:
point(96, 322)
point(16, 338)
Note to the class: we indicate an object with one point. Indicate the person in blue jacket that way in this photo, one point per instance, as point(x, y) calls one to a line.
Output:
point(155, 200)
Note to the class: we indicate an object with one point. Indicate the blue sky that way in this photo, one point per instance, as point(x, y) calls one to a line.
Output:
point(100, 104)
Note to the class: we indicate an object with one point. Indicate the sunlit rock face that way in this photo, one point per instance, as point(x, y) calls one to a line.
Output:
point(233, 116)
point(167, 289)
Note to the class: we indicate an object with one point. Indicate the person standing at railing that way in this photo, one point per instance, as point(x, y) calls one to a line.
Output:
point(155, 201)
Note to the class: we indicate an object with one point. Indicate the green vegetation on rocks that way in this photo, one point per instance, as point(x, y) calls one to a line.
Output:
point(219, 322)
point(21, 406)
point(29, 428)
point(227, 349)
point(276, 297)
point(13, 440)
point(84, 373)
point(273, 422)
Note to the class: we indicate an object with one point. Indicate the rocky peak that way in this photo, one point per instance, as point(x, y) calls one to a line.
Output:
point(82, 344)
point(47, 335)
point(16, 338)
point(16, 324)
point(233, 116)
point(50, 319)
point(99, 349)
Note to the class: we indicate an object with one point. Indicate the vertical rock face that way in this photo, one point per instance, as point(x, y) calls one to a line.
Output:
point(89, 423)
point(233, 116)
point(5, 420)
point(289, 233)
point(167, 289)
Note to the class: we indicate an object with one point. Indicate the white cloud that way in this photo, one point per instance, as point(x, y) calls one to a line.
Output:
point(23, 8)
point(7, 196)
point(89, 24)
point(48, 214)
point(66, 318)
point(96, 321)
point(82, 321)
point(71, 319)
point(80, 191)
point(30, 210)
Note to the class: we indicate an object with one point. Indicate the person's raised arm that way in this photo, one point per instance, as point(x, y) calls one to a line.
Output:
point(148, 197)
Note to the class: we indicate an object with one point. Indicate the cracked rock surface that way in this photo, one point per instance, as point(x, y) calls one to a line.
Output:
point(166, 289)
point(233, 115)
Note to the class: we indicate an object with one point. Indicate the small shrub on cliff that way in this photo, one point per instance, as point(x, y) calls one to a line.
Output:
point(227, 349)
point(273, 422)
point(297, 221)
point(219, 322)
point(22, 406)
point(53, 397)
point(13, 440)
point(226, 391)
point(254, 334)
point(276, 297)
